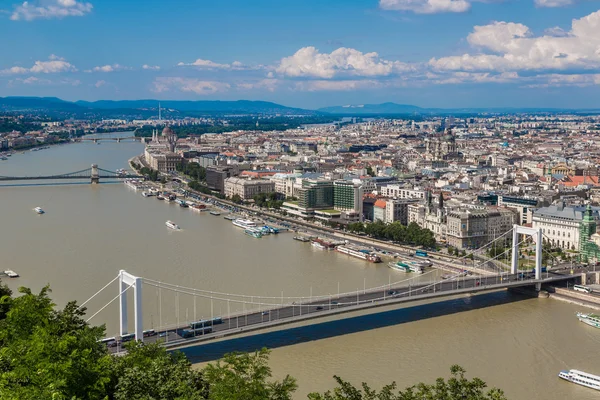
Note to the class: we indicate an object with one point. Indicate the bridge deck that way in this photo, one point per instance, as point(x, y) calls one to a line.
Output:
point(258, 320)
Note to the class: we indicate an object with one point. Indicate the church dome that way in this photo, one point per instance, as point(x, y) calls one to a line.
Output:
point(167, 131)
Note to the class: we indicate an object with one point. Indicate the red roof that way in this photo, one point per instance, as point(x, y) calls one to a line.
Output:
point(380, 203)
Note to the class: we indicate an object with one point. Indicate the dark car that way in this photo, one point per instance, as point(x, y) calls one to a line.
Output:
point(319, 308)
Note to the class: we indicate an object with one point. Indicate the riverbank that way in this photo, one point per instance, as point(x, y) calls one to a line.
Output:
point(444, 262)
point(577, 298)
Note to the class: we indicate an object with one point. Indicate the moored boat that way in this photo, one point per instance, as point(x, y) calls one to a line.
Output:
point(581, 378)
point(590, 319)
point(406, 267)
point(363, 255)
point(302, 239)
point(244, 223)
point(172, 225)
point(214, 212)
point(39, 210)
point(253, 233)
point(317, 245)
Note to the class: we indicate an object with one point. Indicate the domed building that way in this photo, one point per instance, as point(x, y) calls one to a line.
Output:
point(160, 152)
point(442, 147)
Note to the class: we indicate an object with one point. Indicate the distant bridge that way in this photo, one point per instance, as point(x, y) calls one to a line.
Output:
point(115, 139)
point(94, 174)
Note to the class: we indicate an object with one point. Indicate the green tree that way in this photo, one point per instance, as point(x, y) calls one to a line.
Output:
point(149, 372)
point(48, 354)
point(456, 388)
point(237, 199)
point(244, 376)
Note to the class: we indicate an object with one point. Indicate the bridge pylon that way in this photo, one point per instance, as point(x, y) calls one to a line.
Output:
point(95, 174)
point(536, 234)
point(125, 280)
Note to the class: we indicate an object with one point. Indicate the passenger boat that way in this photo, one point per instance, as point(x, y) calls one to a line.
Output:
point(581, 378)
point(406, 267)
point(244, 223)
point(590, 319)
point(362, 254)
point(253, 233)
point(11, 274)
point(213, 212)
point(302, 239)
point(172, 225)
point(317, 245)
point(229, 217)
point(39, 210)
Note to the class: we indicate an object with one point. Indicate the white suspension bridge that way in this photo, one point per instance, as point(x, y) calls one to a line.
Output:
point(256, 312)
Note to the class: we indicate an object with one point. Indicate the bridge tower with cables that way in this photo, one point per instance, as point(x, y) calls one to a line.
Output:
point(95, 175)
point(536, 235)
point(126, 280)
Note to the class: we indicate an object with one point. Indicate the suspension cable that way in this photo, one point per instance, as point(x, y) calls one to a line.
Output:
point(105, 286)
point(107, 304)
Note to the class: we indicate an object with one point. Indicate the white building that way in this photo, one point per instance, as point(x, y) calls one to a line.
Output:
point(399, 192)
point(560, 224)
point(247, 188)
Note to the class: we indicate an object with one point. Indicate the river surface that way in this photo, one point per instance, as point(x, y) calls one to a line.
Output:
point(90, 232)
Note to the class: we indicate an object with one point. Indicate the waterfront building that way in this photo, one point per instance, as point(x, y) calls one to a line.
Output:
point(314, 194)
point(396, 210)
point(401, 192)
point(560, 223)
point(162, 161)
point(216, 175)
point(379, 210)
point(247, 188)
point(523, 205)
point(467, 228)
point(347, 197)
point(589, 240)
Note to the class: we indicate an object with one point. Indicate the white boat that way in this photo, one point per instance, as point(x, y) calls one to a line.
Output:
point(581, 378)
point(363, 255)
point(590, 319)
point(244, 223)
point(318, 245)
point(11, 274)
point(406, 267)
point(172, 225)
point(39, 210)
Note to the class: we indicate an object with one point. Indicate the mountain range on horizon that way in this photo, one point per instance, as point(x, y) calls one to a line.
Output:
point(207, 107)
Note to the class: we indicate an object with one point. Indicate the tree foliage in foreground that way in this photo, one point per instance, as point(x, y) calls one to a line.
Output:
point(458, 387)
point(53, 354)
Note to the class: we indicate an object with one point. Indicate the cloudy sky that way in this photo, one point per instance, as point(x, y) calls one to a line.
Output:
point(310, 53)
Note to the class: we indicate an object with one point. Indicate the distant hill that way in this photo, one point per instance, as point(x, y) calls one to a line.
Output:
point(384, 108)
point(202, 106)
point(404, 109)
point(145, 108)
point(36, 103)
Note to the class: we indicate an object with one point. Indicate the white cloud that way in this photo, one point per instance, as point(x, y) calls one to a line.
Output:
point(109, 68)
point(267, 84)
point(426, 6)
point(560, 80)
point(55, 64)
point(100, 83)
point(325, 85)
point(553, 3)
point(50, 9)
point(208, 64)
point(197, 86)
point(309, 62)
point(513, 47)
point(151, 67)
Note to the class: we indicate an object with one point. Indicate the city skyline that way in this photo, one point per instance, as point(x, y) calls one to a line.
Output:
point(450, 53)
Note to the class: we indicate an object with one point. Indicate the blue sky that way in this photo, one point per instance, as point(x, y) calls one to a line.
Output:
point(431, 53)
